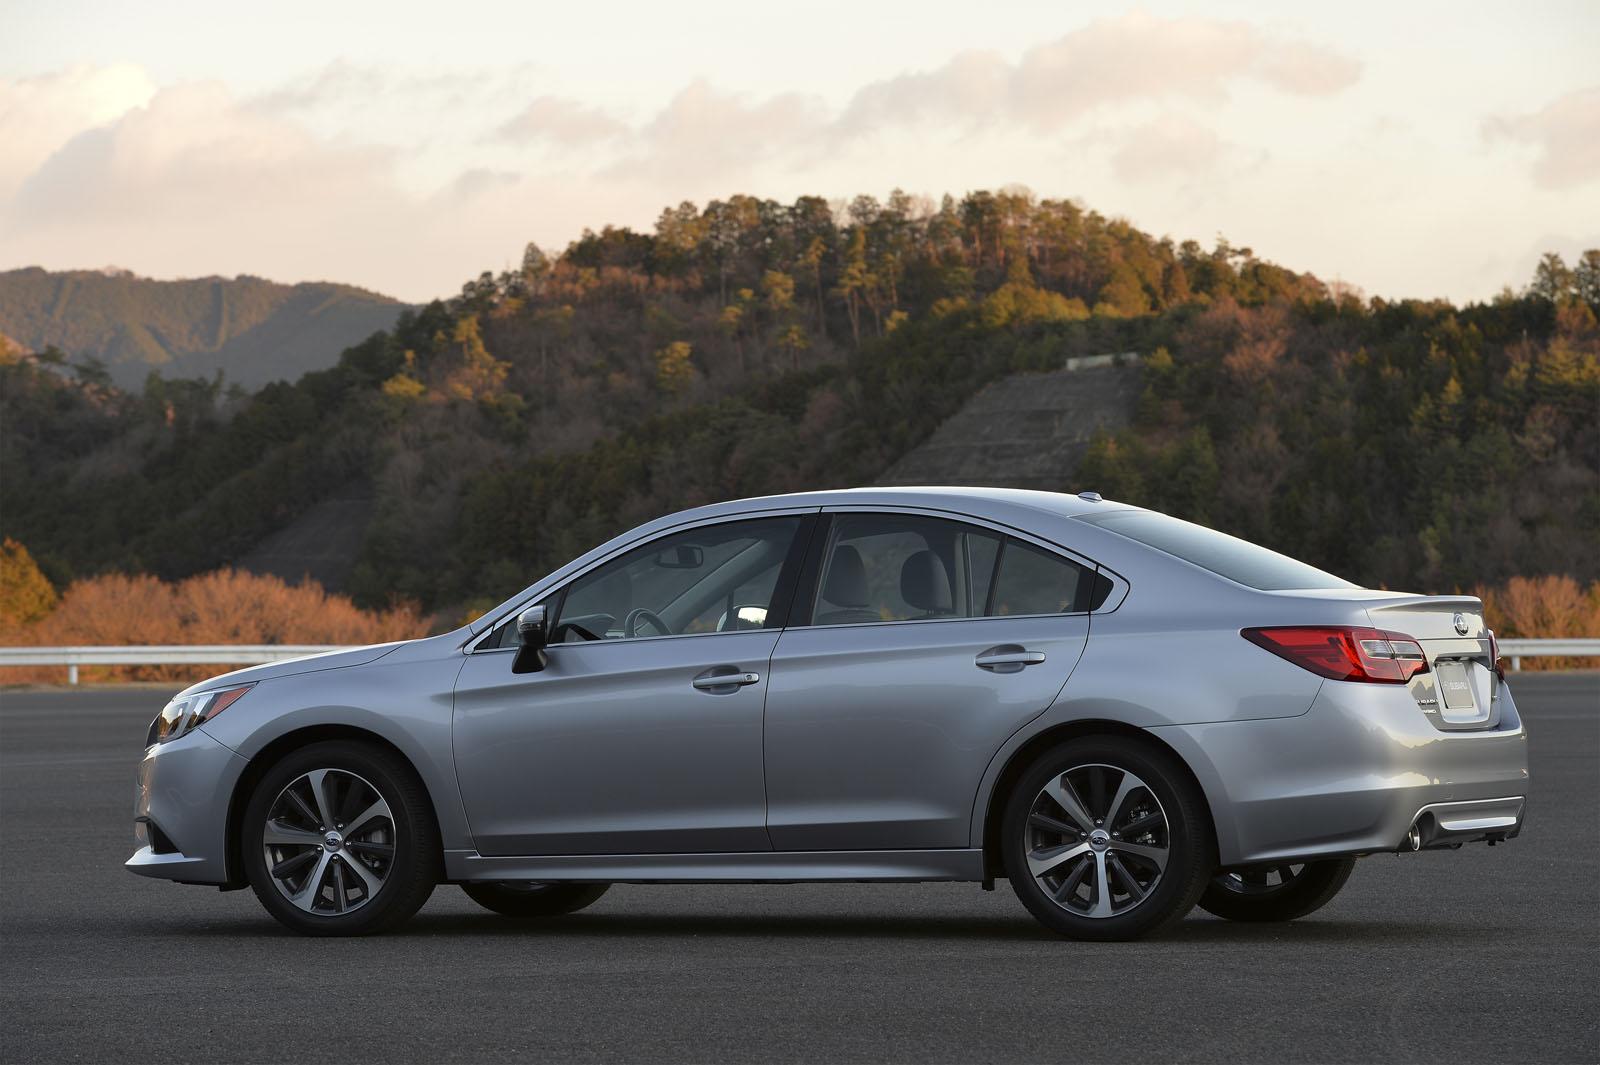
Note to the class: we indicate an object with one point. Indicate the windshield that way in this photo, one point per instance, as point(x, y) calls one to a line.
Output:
point(1227, 556)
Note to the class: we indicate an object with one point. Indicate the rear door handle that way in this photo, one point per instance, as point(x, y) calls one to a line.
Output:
point(720, 680)
point(1009, 659)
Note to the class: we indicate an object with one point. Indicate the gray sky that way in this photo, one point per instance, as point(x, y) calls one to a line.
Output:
point(1411, 149)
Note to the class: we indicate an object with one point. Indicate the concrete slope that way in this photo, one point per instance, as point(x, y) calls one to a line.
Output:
point(1029, 430)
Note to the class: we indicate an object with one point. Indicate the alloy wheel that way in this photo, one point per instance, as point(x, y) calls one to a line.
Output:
point(1263, 880)
point(329, 841)
point(1097, 840)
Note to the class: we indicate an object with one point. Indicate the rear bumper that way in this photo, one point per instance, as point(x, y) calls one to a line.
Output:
point(1353, 775)
point(181, 810)
point(1450, 824)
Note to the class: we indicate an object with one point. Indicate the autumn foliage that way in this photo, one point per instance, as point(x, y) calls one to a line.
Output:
point(1550, 607)
point(224, 607)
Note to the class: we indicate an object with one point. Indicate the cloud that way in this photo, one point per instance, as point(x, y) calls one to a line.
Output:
point(1567, 134)
point(560, 121)
point(190, 151)
point(1167, 146)
point(704, 133)
point(1305, 69)
point(1112, 61)
point(40, 114)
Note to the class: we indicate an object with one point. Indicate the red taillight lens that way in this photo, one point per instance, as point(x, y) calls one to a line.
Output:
point(1494, 656)
point(1342, 653)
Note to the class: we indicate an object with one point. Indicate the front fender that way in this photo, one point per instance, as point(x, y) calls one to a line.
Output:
point(406, 703)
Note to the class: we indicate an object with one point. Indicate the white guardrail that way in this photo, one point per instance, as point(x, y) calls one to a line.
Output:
point(238, 654)
point(255, 654)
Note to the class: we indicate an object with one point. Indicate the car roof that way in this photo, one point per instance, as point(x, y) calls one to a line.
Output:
point(977, 500)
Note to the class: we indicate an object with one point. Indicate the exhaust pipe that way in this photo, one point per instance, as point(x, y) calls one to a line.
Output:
point(1413, 841)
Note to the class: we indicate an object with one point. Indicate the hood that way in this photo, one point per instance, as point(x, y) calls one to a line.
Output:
point(354, 656)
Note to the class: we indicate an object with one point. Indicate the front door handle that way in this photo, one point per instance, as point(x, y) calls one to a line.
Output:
point(1009, 659)
point(721, 681)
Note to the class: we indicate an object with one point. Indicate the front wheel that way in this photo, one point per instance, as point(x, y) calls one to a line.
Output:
point(339, 840)
point(1106, 838)
point(526, 899)
point(1277, 892)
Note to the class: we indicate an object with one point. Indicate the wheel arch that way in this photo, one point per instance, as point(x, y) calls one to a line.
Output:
point(1025, 755)
point(274, 752)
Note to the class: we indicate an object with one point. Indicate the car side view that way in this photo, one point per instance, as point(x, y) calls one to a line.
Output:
point(1122, 714)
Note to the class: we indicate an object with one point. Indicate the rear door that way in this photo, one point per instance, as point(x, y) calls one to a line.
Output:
point(917, 645)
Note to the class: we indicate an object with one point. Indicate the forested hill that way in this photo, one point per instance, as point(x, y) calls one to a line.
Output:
point(752, 347)
point(250, 329)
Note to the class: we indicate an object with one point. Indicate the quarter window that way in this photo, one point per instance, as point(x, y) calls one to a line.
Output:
point(1034, 581)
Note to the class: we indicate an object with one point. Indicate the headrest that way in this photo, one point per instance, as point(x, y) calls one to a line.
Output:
point(847, 578)
point(924, 584)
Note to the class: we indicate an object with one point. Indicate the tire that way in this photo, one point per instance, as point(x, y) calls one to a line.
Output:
point(1301, 889)
point(391, 835)
point(1166, 854)
point(528, 901)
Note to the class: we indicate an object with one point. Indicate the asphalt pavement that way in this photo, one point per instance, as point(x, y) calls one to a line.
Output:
point(1483, 954)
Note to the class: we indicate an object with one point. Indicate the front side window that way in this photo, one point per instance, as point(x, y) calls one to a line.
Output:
point(717, 578)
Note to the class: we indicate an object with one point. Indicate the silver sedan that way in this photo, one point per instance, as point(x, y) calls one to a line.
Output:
point(1122, 714)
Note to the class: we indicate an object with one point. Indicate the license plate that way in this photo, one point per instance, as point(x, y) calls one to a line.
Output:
point(1454, 686)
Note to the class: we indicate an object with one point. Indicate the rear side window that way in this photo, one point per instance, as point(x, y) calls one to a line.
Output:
point(1227, 556)
point(902, 567)
point(899, 567)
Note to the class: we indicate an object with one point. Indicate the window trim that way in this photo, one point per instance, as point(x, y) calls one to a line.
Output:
point(804, 606)
point(788, 578)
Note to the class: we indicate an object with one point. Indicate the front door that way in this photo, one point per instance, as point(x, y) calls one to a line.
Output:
point(643, 733)
point(929, 643)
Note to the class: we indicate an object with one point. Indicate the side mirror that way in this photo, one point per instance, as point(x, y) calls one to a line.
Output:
point(532, 635)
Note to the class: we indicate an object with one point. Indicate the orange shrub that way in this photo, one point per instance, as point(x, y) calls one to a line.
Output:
point(1547, 607)
point(227, 606)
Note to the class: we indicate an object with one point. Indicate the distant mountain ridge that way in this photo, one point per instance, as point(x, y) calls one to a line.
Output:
point(254, 330)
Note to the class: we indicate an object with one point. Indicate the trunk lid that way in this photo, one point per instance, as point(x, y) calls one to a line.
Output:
point(1461, 689)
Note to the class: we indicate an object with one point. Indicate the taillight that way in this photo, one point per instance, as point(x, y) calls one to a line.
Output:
point(1343, 653)
point(1494, 656)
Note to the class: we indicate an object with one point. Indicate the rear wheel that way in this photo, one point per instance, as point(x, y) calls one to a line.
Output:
point(339, 840)
point(1276, 892)
point(526, 899)
point(1106, 838)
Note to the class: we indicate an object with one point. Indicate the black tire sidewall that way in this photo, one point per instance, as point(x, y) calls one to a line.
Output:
point(415, 869)
point(1312, 889)
point(549, 900)
point(1190, 848)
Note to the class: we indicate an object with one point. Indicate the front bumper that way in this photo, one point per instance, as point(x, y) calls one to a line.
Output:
point(1354, 774)
point(181, 809)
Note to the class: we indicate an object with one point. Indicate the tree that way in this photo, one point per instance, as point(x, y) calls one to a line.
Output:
point(794, 341)
point(674, 371)
point(1586, 278)
point(26, 594)
point(535, 269)
point(1551, 279)
point(811, 259)
point(854, 281)
point(778, 288)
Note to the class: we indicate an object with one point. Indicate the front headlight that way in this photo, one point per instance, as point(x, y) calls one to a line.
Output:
point(181, 715)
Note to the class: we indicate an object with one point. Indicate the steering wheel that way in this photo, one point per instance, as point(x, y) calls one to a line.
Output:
point(630, 624)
